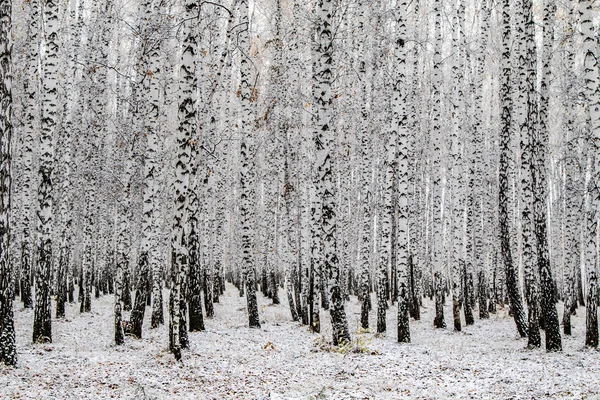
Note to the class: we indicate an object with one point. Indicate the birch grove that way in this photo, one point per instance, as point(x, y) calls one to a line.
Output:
point(344, 159)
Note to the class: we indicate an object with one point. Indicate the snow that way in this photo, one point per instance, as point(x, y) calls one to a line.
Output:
point(282, 360)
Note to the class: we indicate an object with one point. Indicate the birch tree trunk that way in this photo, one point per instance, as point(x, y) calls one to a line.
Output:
point(152, 148)
point(148, 108)
point(540, 160)
point(195, 271)
point(436, 132)
point(457, 175)
point(66, 169)
point(592, 95)
point(324, 163)
point(124, 218)
point(289, 242)
point(31, 126)
point(573, 196)
point(42, 328)
point(366, 200)
point(503, 194)
point(479, 164)
point(247, 171)
point(8, 349)
point(527, 114)
point(398, 160)
point(186, 131)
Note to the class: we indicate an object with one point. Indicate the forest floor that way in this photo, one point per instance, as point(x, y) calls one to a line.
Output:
point(283, 360)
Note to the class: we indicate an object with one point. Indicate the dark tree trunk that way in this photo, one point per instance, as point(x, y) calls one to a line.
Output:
point(265, 284)
point(439, 322)
point(183, 326)
point(274, 292)
point(494, 296)
point(61, 281)
point(71, 289)
point(580, 296)
point(217, 285)
point(415, 305)
point(208, 294)
point(591, 316)
point(110, 280)
point(468, 306)
point(456, 306)
point(242, 287)
point(313, 306)
point(472, 299)
point(297, 284)
point(96, 284)
point(324, 295)
point(26, 296)
point(139, 309)
point(253, 319)
point(195, 295)
point(483, 296)
point(42, 325)
point(86, 304)
point(364, 308)
point(158, 318)
point(126, 290)
point(306, 309)
point(148, 293)
point(403, 320)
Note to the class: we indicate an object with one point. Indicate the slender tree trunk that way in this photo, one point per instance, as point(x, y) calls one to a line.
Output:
point(31, 89)
point(193, 280)
point(42, 328)
point(547, 298)
point(481, 195)
point(124, 217)
point(196, 276)
point(527, 124)
point(247, 171)
point(8, 349)
point(398, 160)
point(592, 94)
point(457, 173)
point(437, 171)
point(151, 163)
point(289, 242)
point(503, 199)
point(324, 163)
point(573, 203)
point(186, 131)
point(365, 151)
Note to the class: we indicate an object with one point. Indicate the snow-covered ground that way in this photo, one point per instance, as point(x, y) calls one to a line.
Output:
point(281, 360)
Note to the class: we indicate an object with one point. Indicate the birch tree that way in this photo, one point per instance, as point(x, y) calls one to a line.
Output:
point(512, 278)
point(8, 349)
point(31, 126)
point(527, 113)
point(365, 151)
point(149, 110)
point(42, 325)
point(437, 238)
point(324, 165)
point(572, 194)
point(592, 95)
point(540, 160)
point(399, 134)
point(247, 201)
point(186, 130)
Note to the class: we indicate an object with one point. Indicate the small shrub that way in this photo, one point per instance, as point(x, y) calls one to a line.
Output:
point(360, 344)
